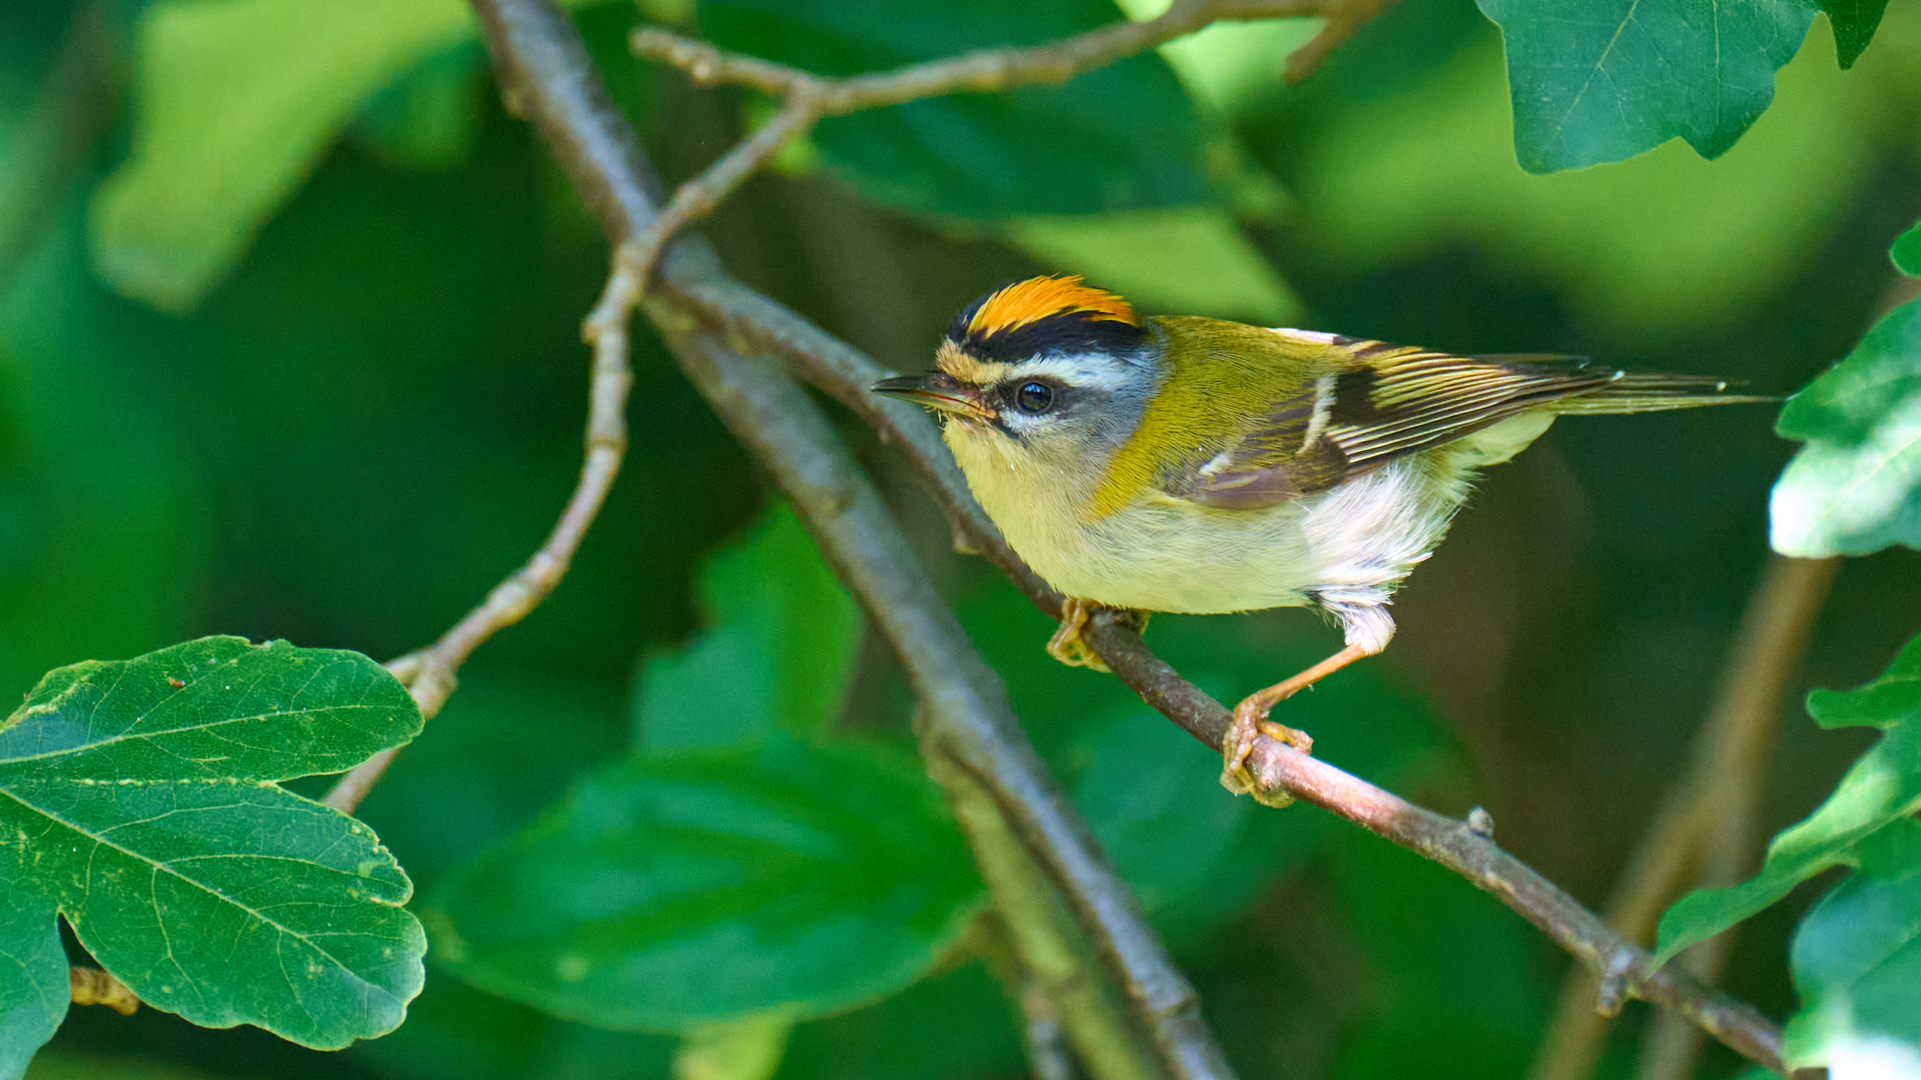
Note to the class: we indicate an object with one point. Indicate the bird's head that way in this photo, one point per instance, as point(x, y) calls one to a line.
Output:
point(1048, 368)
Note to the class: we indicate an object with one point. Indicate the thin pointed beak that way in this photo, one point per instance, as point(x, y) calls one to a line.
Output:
point(937, 391)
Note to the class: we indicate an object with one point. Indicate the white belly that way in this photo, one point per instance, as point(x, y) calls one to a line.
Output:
point(1349, 547)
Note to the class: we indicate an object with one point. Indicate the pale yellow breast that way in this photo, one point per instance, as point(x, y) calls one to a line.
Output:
point(1154, 554)
point(1353, 544)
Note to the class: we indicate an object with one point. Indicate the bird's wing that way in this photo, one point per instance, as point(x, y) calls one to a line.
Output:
point(1366, 404)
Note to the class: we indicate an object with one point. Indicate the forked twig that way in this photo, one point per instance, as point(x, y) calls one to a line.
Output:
point(807, 98)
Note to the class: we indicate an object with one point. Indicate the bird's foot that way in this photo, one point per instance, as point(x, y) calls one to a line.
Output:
point(1066, 644)
point(1249, 724)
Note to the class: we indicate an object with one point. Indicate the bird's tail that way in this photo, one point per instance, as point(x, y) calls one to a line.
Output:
point(1631, 392)
point(1617, 391)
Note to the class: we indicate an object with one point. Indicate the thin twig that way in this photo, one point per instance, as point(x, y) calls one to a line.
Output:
point(430, 673)
point(807, 98)
point(1034, 994)
point(964, 719)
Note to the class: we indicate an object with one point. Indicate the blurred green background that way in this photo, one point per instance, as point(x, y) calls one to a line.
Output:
point(344, 427)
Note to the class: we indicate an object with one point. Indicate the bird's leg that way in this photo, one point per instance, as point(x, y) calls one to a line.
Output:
point(1251, 722)
point(1066, 644)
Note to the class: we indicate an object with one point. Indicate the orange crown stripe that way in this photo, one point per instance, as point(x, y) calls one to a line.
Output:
point(1042, 297)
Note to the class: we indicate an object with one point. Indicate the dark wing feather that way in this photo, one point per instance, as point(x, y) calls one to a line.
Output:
point(1382, 402)
point(1412, 400)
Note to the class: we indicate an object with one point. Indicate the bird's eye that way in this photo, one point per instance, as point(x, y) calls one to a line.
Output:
point(1034, 397)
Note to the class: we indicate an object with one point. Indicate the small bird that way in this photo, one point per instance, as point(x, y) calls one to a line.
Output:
point(1197, 465)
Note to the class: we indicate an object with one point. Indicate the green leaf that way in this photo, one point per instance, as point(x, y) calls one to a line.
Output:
point(1906, 252)
point(33, 980)
point(234, 103)
point(1190, 260)
point(1881, 788)
point(1229, 65)
point(1857, 964)
point(746, 1049)
point(1652, 252)
point(137, 799)
point(777, 652)
point(1854, 22)
point(675, 890)
point(1121, 137)
point(1601, 80)
point(1856, 487)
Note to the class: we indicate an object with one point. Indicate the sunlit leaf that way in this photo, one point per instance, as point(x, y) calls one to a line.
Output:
point(234, 102)
point(675, 890)
point(746, 1049)
point(1856, 487)
point(1907, 252)
point(1655, 249)
point(1857, 964)
point(1122, 137)
point(776, 652)
point(1190, 261)
point(1882, 787)
point(138, 799)
point(1601, 81)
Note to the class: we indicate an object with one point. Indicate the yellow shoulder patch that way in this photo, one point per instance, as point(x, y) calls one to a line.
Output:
point(1038, 298)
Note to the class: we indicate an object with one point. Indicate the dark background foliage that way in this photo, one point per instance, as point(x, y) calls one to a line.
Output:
point(350, 438)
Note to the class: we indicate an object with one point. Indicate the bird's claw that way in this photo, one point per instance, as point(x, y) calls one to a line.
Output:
point(1249, 724)
point(1066, 644)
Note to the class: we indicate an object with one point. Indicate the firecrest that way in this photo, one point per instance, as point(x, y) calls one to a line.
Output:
point(1197, 465)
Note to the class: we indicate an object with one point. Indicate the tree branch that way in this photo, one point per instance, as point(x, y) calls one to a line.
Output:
point(807, 98)
point(540, 62)
point(844, 373)
point(964, 722)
